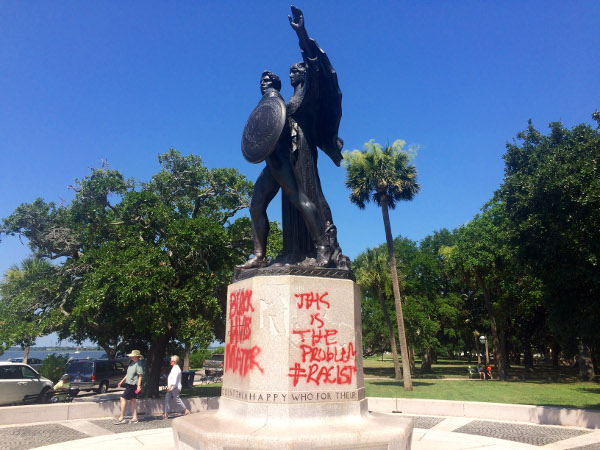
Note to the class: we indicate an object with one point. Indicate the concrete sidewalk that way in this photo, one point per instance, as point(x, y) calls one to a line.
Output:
point(431, 433)
point(438, 424)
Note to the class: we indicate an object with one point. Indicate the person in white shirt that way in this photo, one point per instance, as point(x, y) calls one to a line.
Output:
point(173, 388)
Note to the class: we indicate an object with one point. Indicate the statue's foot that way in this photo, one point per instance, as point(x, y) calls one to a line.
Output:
point(254, 263)
point(324, 253)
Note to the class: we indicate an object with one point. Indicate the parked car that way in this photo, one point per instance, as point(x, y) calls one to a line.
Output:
point(120, 357)
point(214, 365)
point(95, 374)
point(36, 363)
point(19, 383)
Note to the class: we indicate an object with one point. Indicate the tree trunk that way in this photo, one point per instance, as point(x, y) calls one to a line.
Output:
point(503, 349)
point(25, 353)
point(391, 334)
point(107, 350)
point(528, 357)
point(498, 351)
point(426, 362)
point(584, 360)
point(411, 357)
point(555, 353)
point(517, 357)
point(154, 363)
point(477, 346)
point(397, 298)
point(186, 356)
point(111, 352)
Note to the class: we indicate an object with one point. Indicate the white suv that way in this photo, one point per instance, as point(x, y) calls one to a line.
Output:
point(19, 383)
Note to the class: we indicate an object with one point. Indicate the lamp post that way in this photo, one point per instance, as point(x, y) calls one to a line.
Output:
point(484, 341)
point(476, 336)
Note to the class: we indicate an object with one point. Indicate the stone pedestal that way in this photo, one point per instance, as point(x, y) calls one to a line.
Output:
point(293, 373)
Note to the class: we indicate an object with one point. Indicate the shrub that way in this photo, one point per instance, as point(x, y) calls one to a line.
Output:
point(197, 358)
point(218, 351)
point(54, 366)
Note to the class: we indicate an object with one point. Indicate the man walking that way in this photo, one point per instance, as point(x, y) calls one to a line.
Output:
point(133, 386)
point(173, 388)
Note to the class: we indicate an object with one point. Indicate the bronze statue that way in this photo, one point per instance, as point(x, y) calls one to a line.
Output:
point(287, 137)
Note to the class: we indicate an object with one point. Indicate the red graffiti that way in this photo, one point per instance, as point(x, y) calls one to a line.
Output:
point(326, 374)
point(239, 329)
point(241, 360)
point(306, 300)
point(239, 323)
point(239, 302)
point(316, 354)
point(317, 335)
point(324, 361)
point(314, 317)
point(238, 359)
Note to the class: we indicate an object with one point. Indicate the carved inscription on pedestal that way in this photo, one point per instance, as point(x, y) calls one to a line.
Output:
point(292, 397)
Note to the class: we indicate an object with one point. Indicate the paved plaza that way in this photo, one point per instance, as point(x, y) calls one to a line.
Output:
point(154, 433)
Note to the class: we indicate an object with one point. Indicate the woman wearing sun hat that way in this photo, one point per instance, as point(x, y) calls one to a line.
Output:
point(133, 385)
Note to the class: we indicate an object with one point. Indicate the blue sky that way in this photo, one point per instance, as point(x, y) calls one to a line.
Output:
point(124, 81)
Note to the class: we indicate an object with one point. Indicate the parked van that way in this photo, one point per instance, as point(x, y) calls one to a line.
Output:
point(95, 374)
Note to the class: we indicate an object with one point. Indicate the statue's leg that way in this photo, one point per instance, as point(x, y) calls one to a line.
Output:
point(282, 171)
point(265, 189)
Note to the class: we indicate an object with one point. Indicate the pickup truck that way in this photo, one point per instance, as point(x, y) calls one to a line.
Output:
point(214, 366)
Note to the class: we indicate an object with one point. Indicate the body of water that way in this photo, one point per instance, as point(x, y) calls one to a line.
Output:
point(42, 355)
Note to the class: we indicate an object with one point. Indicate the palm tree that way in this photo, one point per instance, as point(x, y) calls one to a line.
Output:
point(385, 176)
point(370, 274)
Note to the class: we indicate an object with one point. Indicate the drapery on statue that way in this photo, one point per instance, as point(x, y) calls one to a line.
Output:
point(287, 137)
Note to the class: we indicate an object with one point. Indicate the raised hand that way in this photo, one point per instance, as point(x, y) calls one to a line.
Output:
point(297, 21)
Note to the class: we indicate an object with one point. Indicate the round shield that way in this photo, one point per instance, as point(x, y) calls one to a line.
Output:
point(263, 128)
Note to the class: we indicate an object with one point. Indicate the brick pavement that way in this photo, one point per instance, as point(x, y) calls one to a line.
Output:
point(26, 437)
point(425, 422)
point(528, 434)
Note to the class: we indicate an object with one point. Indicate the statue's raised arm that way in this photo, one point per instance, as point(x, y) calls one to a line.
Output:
point(297, 23)
point(318, 90)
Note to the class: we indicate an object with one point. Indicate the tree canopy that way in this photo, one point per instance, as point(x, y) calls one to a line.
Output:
point(551, 192)
point(143, 263)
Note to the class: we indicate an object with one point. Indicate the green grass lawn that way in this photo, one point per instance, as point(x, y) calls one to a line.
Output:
point(545, 386)
point(375, 367)
point(569, 395)
point(449, 380)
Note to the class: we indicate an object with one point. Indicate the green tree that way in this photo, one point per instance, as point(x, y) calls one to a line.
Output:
point(373, 278)
point(551, 192)
point(386, 176)
point(479, 249)
point(27, 303)
point(434, 305)
point(53, 366)
point(145, 264)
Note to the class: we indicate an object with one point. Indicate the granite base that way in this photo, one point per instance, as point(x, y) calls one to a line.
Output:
point(210, 431)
